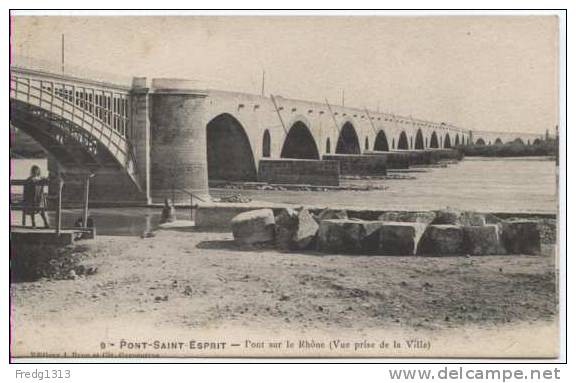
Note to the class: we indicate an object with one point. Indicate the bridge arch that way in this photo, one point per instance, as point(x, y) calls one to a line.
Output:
point(78, 151)
point(419, 144)
point(518, 140)
point(381, 142)
point(447, 142)
point(348, 140)
point(434, 140)
point(84, 125)
point(537, 142)
point(457, 141)
point(498, 141)
point(229, 153)
point(403, 141)
point(480, 141)
point(299, 143)
point(266, 144)
point(64, 140)
point(71, 125)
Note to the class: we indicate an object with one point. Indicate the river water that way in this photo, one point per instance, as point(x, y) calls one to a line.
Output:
point(512, 185)
point(526, 184)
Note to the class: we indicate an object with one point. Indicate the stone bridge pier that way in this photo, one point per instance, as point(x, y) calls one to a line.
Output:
point(178, 163)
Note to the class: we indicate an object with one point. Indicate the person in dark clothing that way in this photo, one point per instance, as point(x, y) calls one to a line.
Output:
point(34, 201)
point(168, 212)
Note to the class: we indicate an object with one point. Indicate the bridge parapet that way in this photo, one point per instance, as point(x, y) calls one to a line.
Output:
point(312, 109)
point(103, 104)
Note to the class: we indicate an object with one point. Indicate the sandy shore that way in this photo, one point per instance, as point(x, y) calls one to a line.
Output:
point(180, 285)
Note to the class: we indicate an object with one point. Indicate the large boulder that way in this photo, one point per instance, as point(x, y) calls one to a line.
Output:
point(295, 230)
point(491, 219)
point(483, 240)
point(407, 216)
point(521, 237)
point(370, 242)
point(458, 217)
point(341, 236)
point(255, 226)
point(331, 214)
point(447, 217)
point(400, 238)
point(307, 231)
point(442, 240)
point(472, 218)
point(286, 226)
point(349, 236)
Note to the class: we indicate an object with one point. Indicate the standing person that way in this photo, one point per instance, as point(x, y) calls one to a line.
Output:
point(34, 198)
point(168, 212)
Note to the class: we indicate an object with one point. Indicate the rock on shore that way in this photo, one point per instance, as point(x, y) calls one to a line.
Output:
point(438, 233)
point(295, 229)
point(251, 227)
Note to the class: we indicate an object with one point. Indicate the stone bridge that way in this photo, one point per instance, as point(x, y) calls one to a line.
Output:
point(145, 141)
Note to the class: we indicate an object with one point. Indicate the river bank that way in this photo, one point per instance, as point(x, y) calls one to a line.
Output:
point(191, 282)
point(514, 149)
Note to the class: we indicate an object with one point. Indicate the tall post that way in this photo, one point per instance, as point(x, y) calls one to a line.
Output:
point(278, 114)
point(192, 215)
point(86, 198)
point(62, 52)
point(263, 79)
point(59, 205)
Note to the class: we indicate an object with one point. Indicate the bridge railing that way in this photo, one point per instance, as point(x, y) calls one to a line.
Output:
point(109, 104)
point(79, 72)
point(102, 110)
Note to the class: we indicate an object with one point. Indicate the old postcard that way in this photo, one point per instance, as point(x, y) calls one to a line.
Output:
point(284, 186)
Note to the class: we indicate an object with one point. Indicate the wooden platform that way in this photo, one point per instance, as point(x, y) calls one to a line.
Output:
point(41, 236)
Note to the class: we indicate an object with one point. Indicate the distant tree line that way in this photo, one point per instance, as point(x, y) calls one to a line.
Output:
point(517, 148)
point(24, 146)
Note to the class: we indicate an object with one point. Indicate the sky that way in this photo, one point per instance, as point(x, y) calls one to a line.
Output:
point(495, 73)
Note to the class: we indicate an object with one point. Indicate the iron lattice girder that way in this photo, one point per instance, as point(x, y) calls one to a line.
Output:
point(60, 135)
point(101, 109)
point(88, 123)
point(66, 132)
